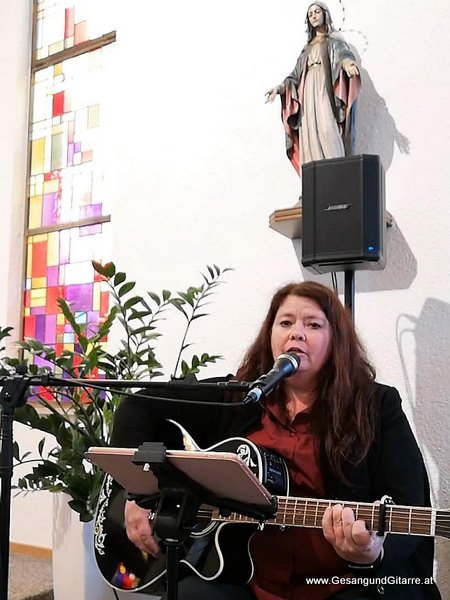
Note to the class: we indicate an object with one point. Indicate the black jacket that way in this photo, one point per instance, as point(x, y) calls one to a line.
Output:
point(394, 466)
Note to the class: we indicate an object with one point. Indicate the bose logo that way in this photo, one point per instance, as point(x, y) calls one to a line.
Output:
point(337, 207)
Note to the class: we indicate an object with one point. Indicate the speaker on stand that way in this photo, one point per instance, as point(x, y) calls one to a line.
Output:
point(344, 217)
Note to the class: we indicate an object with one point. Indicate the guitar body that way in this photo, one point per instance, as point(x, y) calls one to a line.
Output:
point(121, 563)
point(227, 558)
point(218, 547)
point(215, 551)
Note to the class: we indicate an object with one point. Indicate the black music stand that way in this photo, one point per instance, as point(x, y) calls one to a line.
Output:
point(185, 481)
point(13, 393)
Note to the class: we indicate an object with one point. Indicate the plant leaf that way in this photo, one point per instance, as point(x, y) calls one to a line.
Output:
point(119, 278)
point(107, 270)
point(154, 297)
point(127, 287)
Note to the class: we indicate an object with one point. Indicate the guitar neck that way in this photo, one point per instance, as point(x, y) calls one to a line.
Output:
point(308, 512)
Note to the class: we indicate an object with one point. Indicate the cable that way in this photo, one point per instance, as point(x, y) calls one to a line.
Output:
point(147, 397)
point(334, 282)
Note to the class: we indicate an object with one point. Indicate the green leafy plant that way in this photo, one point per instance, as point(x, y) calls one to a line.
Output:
point(82, 417)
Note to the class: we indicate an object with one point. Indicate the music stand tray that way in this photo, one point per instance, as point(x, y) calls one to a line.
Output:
point(224, 474)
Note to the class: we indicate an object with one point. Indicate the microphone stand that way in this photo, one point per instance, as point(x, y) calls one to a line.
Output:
point(14, 394)
point(349, 293)
point(180, 500)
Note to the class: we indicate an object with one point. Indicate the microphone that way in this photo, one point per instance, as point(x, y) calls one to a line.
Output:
point(285, 366)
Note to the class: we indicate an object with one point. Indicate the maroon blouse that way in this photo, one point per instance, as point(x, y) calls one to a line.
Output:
point(283, 559)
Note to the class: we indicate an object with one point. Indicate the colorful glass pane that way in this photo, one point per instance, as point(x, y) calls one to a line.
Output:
point(66, 174)
point(59, 266)
point(62, 24)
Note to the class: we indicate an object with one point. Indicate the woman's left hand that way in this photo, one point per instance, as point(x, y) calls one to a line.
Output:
point(349, 537)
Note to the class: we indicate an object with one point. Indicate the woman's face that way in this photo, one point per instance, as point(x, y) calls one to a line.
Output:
point(301, 326)
point(315, 15)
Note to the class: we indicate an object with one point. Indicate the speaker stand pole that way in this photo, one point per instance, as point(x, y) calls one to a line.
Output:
point(349, 293)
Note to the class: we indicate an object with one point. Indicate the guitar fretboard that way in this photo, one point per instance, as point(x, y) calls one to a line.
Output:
point(308, 512)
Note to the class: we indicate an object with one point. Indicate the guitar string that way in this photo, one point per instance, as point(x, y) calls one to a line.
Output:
point(400, 518)
point(426, 530)
point(396, 512)
point(439, 530)
point(309, 516)
point(314, 517)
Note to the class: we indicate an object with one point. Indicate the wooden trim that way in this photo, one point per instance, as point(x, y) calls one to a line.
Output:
point(69, 225)
point(68, 53)
point(289, 221)
point(27, 549)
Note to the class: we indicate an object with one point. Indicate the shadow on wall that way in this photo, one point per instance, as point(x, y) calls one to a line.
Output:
point(399, 273)
point(376, 132)
point(429, 400)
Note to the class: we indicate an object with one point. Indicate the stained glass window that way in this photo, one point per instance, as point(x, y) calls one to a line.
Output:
point(66, 143)
point(68, 207)
point(59, 266)
point(64, 24)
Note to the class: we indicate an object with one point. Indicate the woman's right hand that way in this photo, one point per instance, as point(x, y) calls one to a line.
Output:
point(139, 528)
point(271, 95)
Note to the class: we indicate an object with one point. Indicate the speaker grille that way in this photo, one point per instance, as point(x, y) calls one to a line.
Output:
point(343, 214)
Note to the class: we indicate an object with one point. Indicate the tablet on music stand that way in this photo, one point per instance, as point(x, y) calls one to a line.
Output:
point(224, 474)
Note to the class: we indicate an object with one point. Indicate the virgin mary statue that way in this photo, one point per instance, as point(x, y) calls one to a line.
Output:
point(319, 97)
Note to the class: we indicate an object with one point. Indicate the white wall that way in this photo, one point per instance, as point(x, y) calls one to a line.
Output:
point(197, 166)
point(15, 43)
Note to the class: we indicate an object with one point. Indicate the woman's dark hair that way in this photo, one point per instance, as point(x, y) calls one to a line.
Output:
point(311, 31)
point(343, 414)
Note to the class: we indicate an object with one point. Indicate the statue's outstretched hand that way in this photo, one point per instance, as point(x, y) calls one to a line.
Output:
point(350, 68)
point(271, 94)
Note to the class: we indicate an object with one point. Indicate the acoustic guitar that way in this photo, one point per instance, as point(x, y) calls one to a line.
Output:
point(219, 546)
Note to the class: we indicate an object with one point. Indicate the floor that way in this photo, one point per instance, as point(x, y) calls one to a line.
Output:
point(30, 578)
